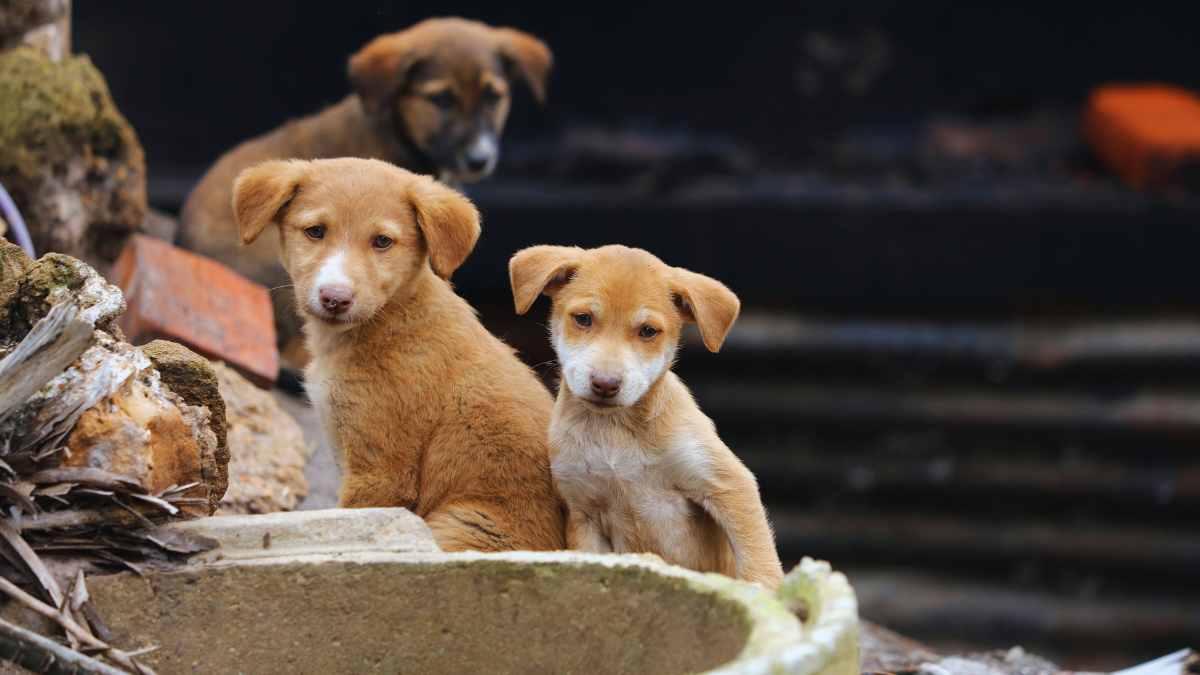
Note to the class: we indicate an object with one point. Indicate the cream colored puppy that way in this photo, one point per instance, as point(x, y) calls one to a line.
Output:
point(640, 467)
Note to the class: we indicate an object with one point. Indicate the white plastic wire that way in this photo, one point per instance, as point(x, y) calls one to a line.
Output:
point(8, 209)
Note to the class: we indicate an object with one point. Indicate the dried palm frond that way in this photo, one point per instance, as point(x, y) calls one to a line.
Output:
point(61, 516)
point(91, 519)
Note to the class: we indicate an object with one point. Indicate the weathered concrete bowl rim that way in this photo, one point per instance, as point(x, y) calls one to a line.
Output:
point(777, 641)
point(831, 635)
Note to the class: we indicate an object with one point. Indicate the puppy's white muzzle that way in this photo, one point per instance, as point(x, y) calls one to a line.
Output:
point(331, 297)
point(617, 379)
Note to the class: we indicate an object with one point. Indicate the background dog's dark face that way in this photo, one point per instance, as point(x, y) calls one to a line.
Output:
point(444, 86)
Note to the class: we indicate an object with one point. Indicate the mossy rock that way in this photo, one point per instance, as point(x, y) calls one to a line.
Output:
point(13, 266)
point(42, 284)
point(70, 159)
point(50, 109)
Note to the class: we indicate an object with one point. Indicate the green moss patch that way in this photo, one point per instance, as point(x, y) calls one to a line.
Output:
point(50, 110)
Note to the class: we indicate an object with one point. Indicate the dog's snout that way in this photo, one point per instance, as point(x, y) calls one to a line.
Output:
point(480, 155)
point(605, 386)
point(336, 299)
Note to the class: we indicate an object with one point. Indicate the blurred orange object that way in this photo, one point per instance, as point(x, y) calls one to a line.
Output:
point(1148, 134)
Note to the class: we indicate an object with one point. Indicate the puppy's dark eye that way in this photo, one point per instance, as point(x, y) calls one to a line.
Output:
point(647, 331)
point(584, 320)
point(382, 242)
point(443, 99)
point(316, 232)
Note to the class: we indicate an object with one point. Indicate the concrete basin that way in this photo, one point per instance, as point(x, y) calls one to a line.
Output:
point(352, 591)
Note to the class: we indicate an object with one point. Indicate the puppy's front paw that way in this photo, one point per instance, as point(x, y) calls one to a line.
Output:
point(769, 579)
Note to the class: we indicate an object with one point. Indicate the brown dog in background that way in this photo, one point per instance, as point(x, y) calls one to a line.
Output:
point(432, 99)
point(428, 409)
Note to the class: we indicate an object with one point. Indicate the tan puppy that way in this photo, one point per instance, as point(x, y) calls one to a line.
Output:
point(432, 99)
point(640, 467)
point(428, 409)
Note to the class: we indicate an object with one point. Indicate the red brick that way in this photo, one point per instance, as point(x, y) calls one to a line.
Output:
point(1145, 133)
point(181, 296)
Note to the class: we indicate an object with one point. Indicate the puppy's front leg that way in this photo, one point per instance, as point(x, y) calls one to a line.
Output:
point(370, 484)
point(584, 534)
point(733, 501)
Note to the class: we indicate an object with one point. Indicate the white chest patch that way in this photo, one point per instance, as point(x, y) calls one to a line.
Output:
point(632, 496)
point(594, 472)
point(317, 388)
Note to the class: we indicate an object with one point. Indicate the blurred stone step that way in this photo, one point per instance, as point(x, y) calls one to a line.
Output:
point(1112, 483)
point(1115, 627)
point(829, 245)
point(779, 400)
point(1031, 345)
point(845, 537)
point(820, 245)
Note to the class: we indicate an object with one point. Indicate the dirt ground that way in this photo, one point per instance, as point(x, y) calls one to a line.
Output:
point(322, 470)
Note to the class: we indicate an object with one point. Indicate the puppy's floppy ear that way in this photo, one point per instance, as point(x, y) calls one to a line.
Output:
point(528, 56)
point(448, 221)
point(378, 70)
point(540, 269)
point(707, 302)
point(262, 192)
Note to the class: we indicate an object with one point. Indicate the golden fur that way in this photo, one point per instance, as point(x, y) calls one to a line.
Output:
point(640, 466)
point(398, 113)
point(428, 410)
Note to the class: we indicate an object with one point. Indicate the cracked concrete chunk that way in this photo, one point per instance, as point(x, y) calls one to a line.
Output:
point(141, 429)
point(192, 377)
point(326, 532)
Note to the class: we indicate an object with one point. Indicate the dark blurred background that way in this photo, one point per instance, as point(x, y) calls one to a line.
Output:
point(969, 368)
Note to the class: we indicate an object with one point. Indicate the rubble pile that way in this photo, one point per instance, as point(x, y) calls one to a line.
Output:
point(96, 448)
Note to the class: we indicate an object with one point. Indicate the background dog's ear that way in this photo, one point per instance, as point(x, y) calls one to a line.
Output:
point(448, 221)
point(261, 193)
point(378, 70)
point(540, 269)
point(707, 302)
point(529, 57)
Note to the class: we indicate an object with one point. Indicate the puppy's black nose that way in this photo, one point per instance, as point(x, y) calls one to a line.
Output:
point(476, 162)
point(605, 386)
point(481, 153)
point(336, 299)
